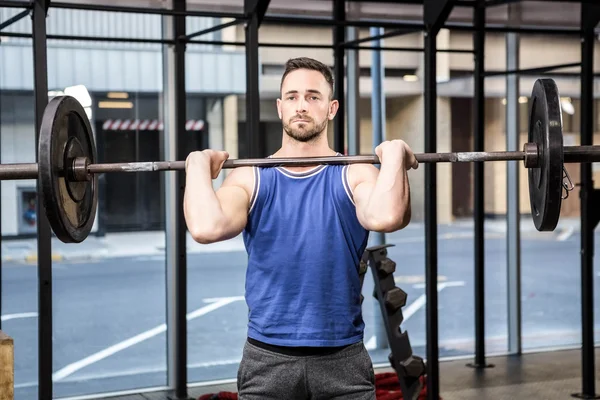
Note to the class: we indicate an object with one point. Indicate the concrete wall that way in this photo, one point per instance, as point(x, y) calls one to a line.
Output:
point(406, 122)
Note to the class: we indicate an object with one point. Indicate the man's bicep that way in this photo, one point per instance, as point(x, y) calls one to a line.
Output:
point(361, 195)
point(234, 198)
point(362, 180)
point(234, 201)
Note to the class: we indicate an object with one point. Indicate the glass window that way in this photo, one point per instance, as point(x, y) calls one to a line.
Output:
point(551, 262)
point(109, 291)
point(216, 310)
point(19, 302)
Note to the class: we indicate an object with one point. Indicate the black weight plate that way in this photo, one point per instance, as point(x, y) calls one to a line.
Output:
point(66, 133)
point(545, 130)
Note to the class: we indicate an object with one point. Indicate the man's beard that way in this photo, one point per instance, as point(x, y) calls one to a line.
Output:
point(304, 134)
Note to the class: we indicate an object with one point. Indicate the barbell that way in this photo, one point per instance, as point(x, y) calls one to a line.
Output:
point(68, 172)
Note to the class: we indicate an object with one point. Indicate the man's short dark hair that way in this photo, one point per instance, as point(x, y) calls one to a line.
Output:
point(308, 63)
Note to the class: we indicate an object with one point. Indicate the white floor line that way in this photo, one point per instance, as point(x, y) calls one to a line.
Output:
point(213, 299)
point(8, 317)
point(415, 306)
point(371, 343)
point(565, 234)
point(441, 285)
point(76, 366)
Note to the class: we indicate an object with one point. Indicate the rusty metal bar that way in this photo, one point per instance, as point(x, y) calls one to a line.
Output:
point(572, 154)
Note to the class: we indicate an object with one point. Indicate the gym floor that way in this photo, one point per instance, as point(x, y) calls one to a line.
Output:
point(544, 376)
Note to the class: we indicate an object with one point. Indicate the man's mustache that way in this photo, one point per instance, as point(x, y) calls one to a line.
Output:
point(299, 117)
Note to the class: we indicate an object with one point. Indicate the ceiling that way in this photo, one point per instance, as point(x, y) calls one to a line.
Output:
point(565, 14)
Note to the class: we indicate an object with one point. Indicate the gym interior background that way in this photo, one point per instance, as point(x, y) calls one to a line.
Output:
point(123, 312)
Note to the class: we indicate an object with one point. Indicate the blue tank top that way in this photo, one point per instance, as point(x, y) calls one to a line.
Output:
point(304, 244)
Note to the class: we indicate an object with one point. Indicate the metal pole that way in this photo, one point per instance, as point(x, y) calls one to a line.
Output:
point(13, 19)
point(431, 250)
point(1, 202)
point(339, 36)
point(478, 167)
point(531, 71)
point(44, 244)
point(435, 13)
point(176, 233)
point(513, 231)
point(180, 311)
point(589, 17)
point(252, 86)
point(378, 120)
point(353, 97)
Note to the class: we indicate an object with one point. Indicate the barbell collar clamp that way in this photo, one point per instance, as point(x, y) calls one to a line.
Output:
point(531, 152)
point(79, 170)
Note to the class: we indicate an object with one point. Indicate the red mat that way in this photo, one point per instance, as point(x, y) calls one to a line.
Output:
point(387, 387)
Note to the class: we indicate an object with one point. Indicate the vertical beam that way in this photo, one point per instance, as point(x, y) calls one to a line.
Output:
point(179, 328)
point(478, 174)
point(44, 244)
point(339, 37)
point(0, 202)
point(378, 118)
point(513, 232)
point(176, 233)
point(252, 83)
point(478, 192)
point(353, 77)
point(435, 12)
point(258, 7)
point(590, 16)
point(431, 250)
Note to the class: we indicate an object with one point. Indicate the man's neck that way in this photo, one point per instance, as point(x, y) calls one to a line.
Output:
point(294, 148)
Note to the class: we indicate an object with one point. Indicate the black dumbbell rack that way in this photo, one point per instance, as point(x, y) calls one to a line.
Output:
point(408, 367)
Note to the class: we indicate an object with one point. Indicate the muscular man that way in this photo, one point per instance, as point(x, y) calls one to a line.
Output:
point(305, 229)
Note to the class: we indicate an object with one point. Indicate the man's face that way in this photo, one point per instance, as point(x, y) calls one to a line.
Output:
point(305, 106)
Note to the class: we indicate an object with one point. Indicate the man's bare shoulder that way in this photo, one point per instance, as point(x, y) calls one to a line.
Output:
point(239, 176)
point(359, 173)
point(242, 177)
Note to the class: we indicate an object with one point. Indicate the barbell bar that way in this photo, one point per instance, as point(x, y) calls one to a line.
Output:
point(68, 171)
point(81, 167)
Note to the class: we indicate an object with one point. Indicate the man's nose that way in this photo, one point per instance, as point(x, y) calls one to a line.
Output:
point(301, 105)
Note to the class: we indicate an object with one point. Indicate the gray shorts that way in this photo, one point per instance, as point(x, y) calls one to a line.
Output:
point(267, 375)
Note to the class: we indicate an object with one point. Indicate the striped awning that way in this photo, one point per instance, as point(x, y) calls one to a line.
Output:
point(146, 125)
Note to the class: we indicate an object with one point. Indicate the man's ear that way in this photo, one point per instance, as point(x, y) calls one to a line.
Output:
point(279, 108)
point(333, 108)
